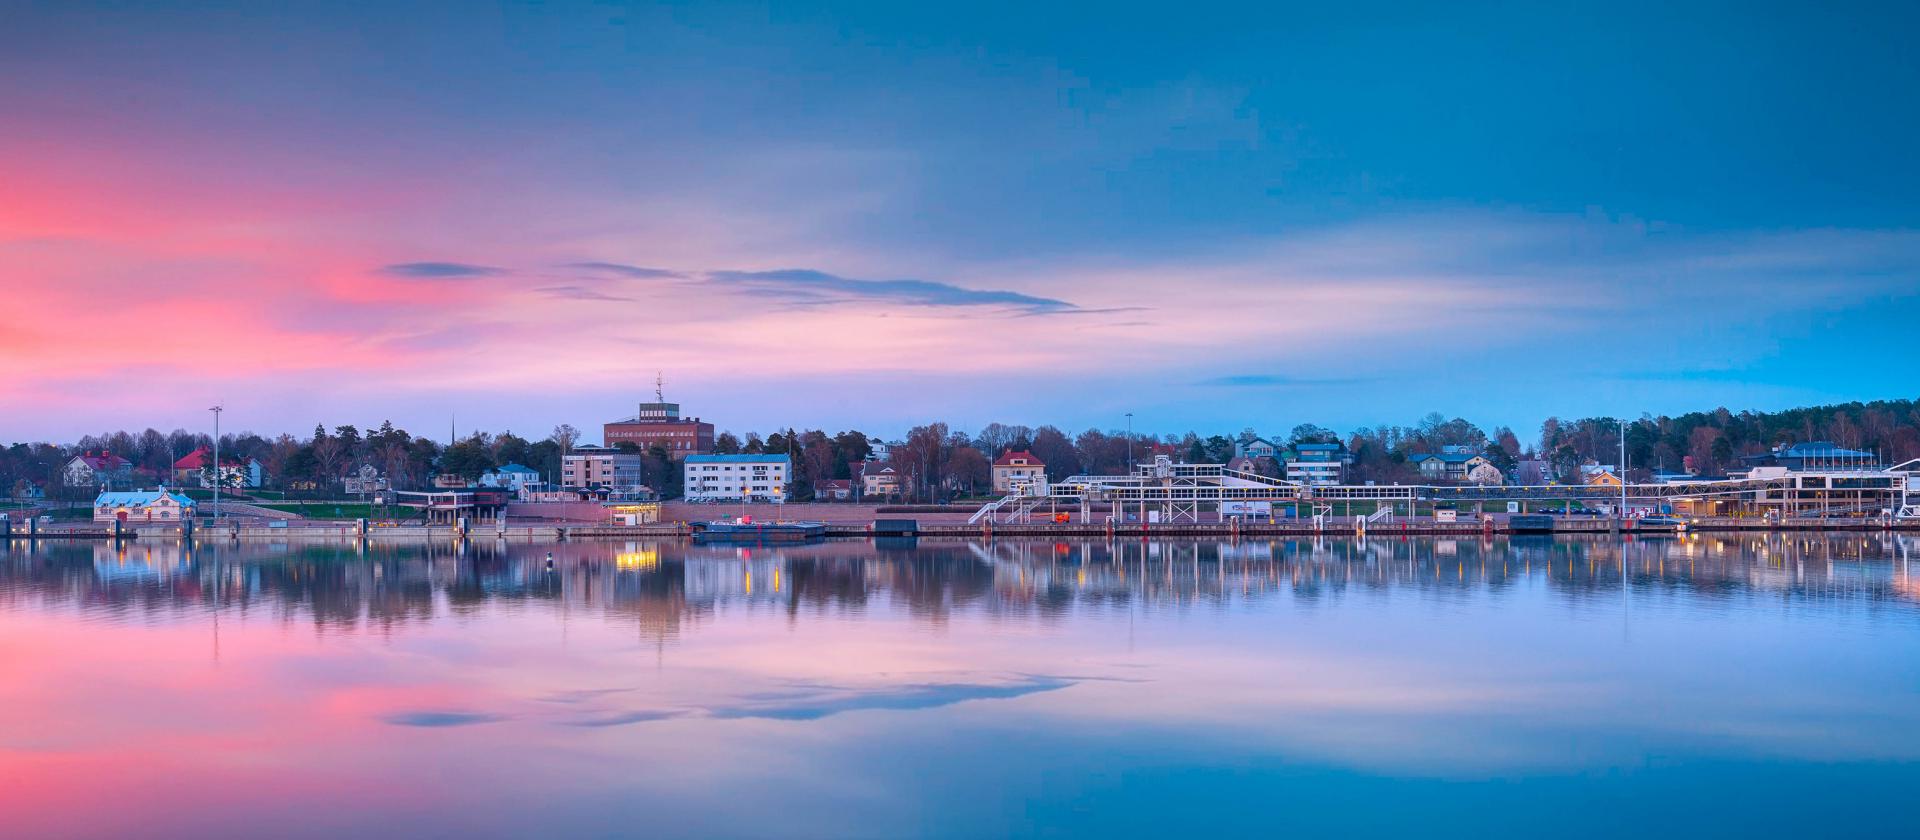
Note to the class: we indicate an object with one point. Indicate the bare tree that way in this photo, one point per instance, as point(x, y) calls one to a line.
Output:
point(998, 437)
point(921, 461)
point(393, 459)
point(969, 469)
point(565, 436)
point(1052, 446)
point(329, 454)
point(816, 459)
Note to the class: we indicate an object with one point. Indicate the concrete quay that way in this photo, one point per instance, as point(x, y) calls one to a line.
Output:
point(328, 531)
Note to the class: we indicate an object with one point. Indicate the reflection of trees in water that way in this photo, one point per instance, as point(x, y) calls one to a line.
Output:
point(663, 589)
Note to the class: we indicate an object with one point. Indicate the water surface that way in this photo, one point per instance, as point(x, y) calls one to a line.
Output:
point(1712, 686)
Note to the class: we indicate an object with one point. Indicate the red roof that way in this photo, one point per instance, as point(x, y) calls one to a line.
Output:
point(1026, 458)
point(198, 458)
point(104, 461)
point(194, 460)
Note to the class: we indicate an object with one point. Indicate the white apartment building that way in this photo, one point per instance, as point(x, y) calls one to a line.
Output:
point(719, 478)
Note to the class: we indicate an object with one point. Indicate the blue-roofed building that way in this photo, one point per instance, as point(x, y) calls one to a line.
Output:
point(513, 477)
point(733, 478)
point(1816, 455)
point(141, 506)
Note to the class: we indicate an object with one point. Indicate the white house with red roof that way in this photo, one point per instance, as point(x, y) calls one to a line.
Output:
point(192, 470)
point(1015, 467)
point(99, 469)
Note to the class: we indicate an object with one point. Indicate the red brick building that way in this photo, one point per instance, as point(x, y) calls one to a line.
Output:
point(660, 424)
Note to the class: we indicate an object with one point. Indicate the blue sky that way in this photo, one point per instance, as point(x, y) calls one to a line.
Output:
point(879, 215)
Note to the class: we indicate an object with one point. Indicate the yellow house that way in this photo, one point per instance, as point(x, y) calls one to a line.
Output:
point(1603, 478)
point(1016, 466)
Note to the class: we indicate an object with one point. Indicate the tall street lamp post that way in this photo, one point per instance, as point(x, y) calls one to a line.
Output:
point(216, 460)
point(1623, 470)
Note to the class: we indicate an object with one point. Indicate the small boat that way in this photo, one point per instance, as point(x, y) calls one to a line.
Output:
point(747, 530)
point(1660, 522)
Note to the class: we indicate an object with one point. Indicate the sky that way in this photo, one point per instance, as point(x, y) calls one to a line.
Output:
point(874, 216)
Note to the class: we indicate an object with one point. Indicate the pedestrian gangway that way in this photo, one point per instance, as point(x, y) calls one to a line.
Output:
point(1177, 491)
point(1176, 488)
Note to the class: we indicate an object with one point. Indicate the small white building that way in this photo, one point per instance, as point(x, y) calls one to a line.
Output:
point(718, 478)
point(141, 506)
point(513, 477)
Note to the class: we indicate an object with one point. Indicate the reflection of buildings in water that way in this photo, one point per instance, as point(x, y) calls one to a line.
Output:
point(667, 588)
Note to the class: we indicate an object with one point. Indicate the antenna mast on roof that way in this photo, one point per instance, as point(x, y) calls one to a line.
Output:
point(659, 387)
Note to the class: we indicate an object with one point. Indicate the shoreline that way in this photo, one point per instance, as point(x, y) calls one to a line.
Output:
point(333, 531)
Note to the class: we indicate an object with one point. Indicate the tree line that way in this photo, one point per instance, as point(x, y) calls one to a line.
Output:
point(935, 462)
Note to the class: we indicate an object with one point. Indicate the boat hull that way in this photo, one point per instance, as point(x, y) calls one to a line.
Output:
point(725, 532)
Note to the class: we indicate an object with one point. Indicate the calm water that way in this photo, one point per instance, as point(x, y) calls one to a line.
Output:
point(1749, 686)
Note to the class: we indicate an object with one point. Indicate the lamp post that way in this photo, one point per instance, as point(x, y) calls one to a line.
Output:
point(216, 461)
point(1129, 443)
point(1623, 470)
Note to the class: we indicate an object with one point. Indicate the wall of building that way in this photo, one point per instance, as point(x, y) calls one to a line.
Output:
point(602, 469)
point(679, 439)
point(733, 479)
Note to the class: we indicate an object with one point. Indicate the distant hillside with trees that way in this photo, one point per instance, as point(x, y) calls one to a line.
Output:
point(938, 462)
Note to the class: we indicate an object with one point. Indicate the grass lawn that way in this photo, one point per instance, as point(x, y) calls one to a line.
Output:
point(343, 510)
point(202, 494)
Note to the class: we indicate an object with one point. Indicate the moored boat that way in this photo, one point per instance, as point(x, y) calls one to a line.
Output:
point(746, 530)
point(1660, 522)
